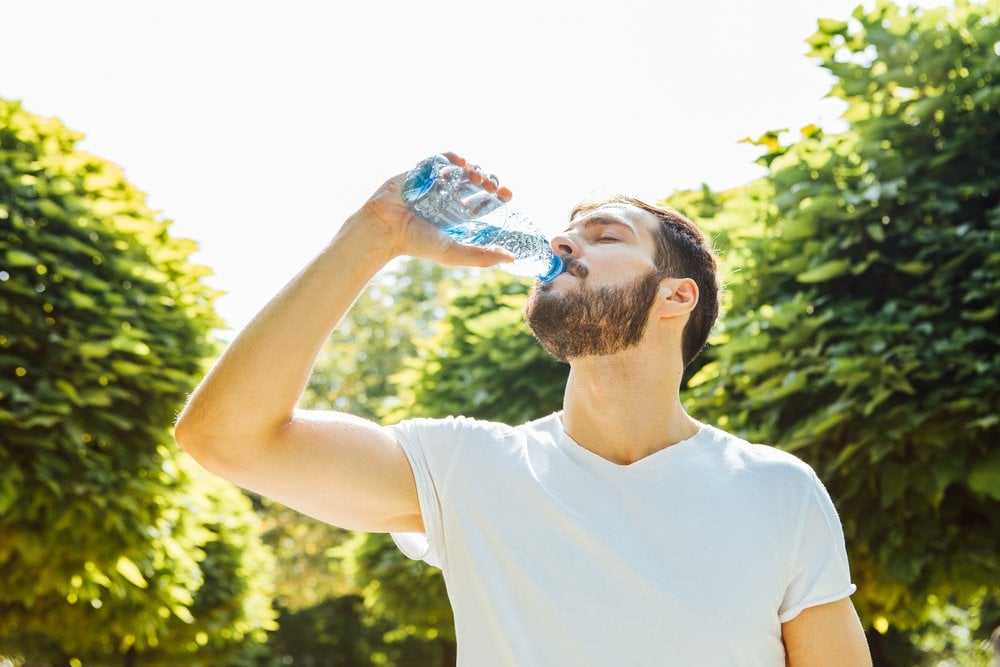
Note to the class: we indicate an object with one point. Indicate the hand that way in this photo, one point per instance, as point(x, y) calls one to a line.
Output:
point(402, 232)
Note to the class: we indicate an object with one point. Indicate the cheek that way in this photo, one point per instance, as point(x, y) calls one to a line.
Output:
point(620, 273)
point(620, 258)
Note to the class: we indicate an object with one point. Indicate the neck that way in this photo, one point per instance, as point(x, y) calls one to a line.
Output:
point(626, 406)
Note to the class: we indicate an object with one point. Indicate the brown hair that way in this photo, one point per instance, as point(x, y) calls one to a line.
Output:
point(682, 251)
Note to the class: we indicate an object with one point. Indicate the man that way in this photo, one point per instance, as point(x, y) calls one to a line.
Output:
point(619, 531)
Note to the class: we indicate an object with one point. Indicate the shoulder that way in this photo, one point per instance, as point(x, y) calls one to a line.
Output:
point(458, 429)
point(761, 461)
point(467, 443)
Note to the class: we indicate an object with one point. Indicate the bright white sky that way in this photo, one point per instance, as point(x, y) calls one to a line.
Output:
point(258, 127)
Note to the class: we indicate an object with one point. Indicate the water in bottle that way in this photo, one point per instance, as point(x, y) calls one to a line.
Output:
point(441, 193)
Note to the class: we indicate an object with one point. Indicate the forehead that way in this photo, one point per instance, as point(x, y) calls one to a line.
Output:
point(642, 223)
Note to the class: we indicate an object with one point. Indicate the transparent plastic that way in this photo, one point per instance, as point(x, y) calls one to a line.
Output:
point(441, 193)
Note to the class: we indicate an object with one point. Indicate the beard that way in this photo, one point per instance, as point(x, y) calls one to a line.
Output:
point(591, 322)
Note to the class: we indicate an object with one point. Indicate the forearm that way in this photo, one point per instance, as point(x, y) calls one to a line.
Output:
point(251, 392)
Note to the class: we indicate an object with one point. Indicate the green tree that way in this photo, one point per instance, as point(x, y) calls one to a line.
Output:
point(862, 330)
point(112, 543)
point(383, 330)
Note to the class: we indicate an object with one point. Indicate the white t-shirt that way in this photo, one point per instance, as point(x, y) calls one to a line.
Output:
point(553, 555)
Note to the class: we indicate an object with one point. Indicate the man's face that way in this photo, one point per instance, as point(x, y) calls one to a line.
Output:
point(601, 305)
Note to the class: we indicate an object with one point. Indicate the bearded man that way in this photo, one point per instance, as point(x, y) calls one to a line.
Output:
point(617, 531)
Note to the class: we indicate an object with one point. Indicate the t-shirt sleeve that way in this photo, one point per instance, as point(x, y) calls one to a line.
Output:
point(429, 445)
point(820, 572)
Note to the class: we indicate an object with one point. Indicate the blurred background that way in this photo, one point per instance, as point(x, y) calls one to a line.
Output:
point(165, 169)
point(257, 130)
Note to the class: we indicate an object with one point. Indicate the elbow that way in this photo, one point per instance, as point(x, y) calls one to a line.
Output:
point(193, 436)
point(198, 442)
point(187, 436)
point(224, 446)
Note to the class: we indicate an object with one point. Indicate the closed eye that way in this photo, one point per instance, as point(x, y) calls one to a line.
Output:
point(607, 239)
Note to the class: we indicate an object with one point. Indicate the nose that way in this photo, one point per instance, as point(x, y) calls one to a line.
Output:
point(563, 244)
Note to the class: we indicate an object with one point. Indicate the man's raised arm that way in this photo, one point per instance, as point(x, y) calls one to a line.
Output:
point(242, 423)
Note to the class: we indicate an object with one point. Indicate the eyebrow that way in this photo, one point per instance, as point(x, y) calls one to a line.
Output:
point(599, 220)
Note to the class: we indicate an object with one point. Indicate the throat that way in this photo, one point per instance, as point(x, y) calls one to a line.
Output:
point(626, 431)
point(625, 407)
point(627, 451)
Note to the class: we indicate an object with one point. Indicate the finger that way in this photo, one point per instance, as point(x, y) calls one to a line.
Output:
point(454, 158)
point(475, 174)
point(490, 183)
point(504, 194)
point(475, 205)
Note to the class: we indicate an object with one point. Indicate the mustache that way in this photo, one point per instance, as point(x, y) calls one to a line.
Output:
point(575, 267)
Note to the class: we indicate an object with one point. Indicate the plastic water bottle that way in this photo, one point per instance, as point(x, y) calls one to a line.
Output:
point(441, 193)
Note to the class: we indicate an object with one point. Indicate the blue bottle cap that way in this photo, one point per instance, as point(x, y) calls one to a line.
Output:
point(556, 267)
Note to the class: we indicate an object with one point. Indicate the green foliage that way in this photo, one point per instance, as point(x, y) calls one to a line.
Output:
point(482, 361)
point(112, 541)
point(952, 636)
point(331, 633)
point(406, 593)
point(309, 570)
point(382, 331)
point(862, 328)
point(351, 599)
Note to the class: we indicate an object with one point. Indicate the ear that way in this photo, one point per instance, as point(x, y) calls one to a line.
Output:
point(677, 297)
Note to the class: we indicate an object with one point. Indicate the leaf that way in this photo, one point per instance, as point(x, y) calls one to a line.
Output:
point(823, 272)
point(983, 315)
point(45, 421)
point(131, 572)
point(763, 362)
point(128, 344)
point(809, 130)
point(94, 350)
point(893, 486)
point(95, 397)
point(846, 453)
point(50, 209)
point(832, 26)
point(769, 140)
point(798, 227)
point(984, 423)
point(817, 40)
point(69, 390)
point(707, 372)
point(985, 478)
point(914, 268)
point(19, 258)
point(875, 232)
point(82, 301)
